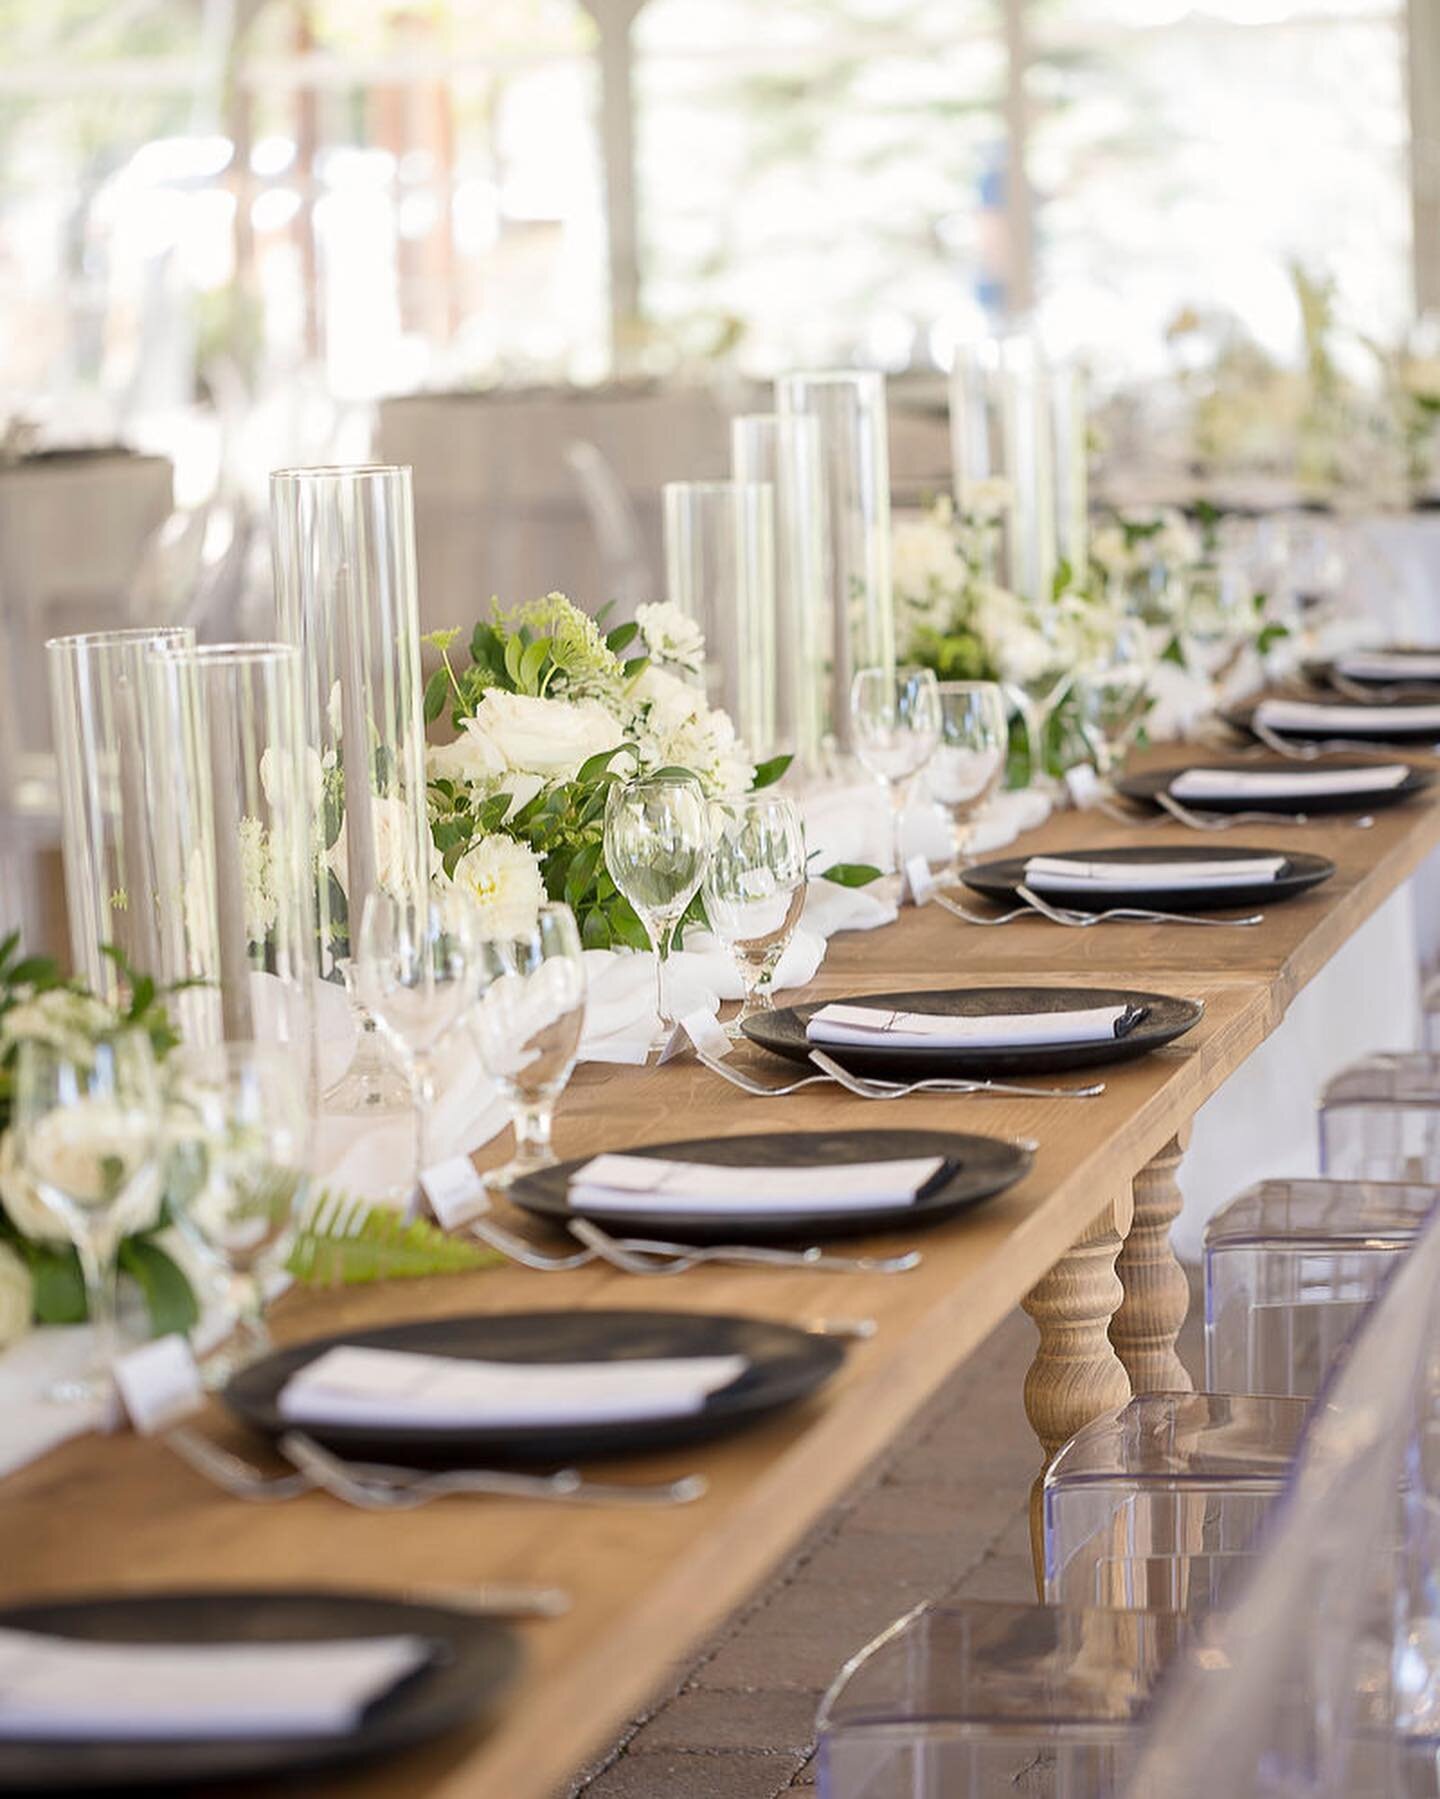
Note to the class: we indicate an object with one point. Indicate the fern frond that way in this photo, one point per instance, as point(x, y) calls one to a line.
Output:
point(342, 1241)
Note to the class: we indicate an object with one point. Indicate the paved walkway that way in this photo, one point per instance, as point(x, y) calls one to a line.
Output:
point(945, 1515)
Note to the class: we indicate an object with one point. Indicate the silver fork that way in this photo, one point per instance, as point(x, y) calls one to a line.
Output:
point(1309, 750)
point(642, 1255)
point(516, 1249)
point(1227, 821)
point(748, 1084)
point(1067, 915)
point(871, 1088)
point(379, 1487)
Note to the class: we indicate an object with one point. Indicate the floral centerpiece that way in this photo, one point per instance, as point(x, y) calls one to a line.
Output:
point(40, 1278)
point(550, 710)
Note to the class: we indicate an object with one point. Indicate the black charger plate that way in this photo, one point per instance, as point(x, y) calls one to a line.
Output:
point(1144, 787)
point(474, 1662)
point(985, 1166)
point(783, 1031)
point(786, 1365)
point(1395, 730)
point(1421, 689)
point(1000, 881)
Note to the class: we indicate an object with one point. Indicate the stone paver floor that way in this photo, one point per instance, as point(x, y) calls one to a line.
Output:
point(944, 1515)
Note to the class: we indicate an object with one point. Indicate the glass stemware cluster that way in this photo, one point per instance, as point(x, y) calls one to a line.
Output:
point(755, 889)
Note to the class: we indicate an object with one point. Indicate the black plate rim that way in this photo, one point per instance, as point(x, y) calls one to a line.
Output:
point(1143, 786)
point(1239, 719)
point(999, 879)
point(480, 1658)
point(812, 1361)
point(532, 1194)
point(1037, 1058)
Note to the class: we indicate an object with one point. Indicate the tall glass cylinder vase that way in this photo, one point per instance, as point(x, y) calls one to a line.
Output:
point(849, 406)
point(110, 798)
point(1001, 437)
point(237, 895)
point(1068, 400)
point(785, 452)
point(345, 590)
point(720, 572)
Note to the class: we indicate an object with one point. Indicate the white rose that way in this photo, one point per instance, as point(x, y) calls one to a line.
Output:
point(65, 1020)
point(501, 879)
point(395, 847)
point(17, 1297)
point(313, 775)
point(473, 759)
point(544, 737)
point(23, 1205)
point(671, 636)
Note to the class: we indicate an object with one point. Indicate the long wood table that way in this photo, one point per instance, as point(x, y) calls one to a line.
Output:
point(1082, 1242)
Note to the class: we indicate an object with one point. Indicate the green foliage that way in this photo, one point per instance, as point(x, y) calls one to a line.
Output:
point(954, 655)
point(850, 874)
point(346, 1241)
point(167, 1294)
point(768, 773)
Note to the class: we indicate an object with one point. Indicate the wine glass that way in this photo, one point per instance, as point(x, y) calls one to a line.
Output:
point(1113, 693)
point(969, 761)
point(1038, 690)
point(418, 971)
point(895, 722)
point(657, 846)
point(528, 1025)
point(247, 1100)
point(755, 889)
point(89, 1124)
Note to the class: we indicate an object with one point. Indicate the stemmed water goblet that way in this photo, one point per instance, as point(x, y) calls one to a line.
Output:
point(1037, 692)
point(89, 1127)
point(418, 972)
point(247, 1103)
point(755, 889)
point(895, 723)
point(657, 847)
point(969, 761)
point(528, 1025)
point(1113, 693)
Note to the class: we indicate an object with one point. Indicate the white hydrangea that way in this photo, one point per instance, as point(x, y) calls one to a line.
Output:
point(671, 637)
point(501, 879)
point(926, 567)
point(257, 879)
point(674, 727)
point(68, 1022)
point(17, 1297)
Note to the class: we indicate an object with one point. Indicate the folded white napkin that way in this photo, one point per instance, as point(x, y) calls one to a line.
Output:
point(1062, 874)
point(1309, 715)
point(72, 1691)
point(394, 1388)
point(1284, 783)
point(1390, 665)
point(617, 1183)
point(873, 1025)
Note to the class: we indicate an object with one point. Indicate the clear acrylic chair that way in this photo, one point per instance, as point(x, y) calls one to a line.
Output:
point(976, 1698)
point(1380, 1120)
point(1291, 1268)
point(1324, 1679)
point(1430, 1015)
point(1184, 1477)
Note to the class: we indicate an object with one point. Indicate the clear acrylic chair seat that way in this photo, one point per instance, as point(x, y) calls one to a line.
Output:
point(978, 1698)
point(1291, 1269)
point(1380, 1120)
point(1169, 1476)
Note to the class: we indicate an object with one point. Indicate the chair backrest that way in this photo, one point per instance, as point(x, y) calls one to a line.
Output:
point(1325, 1678)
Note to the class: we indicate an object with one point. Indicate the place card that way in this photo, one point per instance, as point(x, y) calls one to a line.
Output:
point(1286, 783)
point(1084, 787)
point(456, 1191)
point(1064, 874)
point(393, 1388)
point(620, 1183)
point(873, 1026)
point(159, 1384)
point(77, 1690)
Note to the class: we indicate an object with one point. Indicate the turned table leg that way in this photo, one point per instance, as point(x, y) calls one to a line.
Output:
point(1157, 1294)
point(1076, 1374)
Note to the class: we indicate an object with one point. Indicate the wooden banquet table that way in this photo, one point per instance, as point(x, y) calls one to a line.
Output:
point(1082, 1242)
